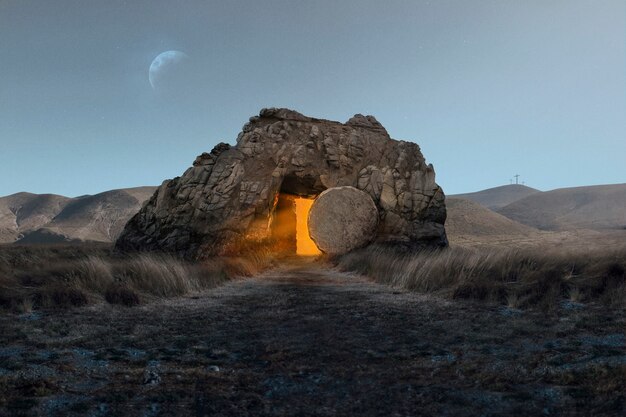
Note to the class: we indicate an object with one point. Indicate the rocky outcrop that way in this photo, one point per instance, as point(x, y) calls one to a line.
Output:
point(227, 199)
point(342, 219)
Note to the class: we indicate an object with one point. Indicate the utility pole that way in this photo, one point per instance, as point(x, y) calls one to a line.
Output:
point(516, 178)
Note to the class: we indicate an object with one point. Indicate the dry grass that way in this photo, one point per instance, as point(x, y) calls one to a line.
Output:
point(33, 277)
point(519, 278)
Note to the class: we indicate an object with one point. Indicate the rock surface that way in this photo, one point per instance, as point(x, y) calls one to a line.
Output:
point(342, 219)
point(226, 200)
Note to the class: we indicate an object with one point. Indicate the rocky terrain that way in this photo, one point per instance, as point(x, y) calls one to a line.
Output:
point(228, 198)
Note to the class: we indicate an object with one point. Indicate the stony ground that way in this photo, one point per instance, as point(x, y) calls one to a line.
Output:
point(307, 340)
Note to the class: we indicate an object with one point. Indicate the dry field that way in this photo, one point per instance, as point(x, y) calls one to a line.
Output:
point(540, 277)
point(467, 331)
point(64, 276)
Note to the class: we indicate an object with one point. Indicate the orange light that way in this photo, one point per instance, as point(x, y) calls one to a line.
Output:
point(304, 244)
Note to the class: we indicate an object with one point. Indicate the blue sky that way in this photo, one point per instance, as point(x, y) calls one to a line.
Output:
point(488, 88)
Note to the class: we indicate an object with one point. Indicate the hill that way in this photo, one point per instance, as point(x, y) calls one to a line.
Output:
point(467, 218)
point(100, 217)
point(49, 218)
point(25, 212)
point(33, 218)
point(598, 207)
point(470, 224)
point(494, 198)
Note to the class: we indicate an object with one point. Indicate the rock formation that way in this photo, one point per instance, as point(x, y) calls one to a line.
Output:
point(227, 200)
point(342, 219)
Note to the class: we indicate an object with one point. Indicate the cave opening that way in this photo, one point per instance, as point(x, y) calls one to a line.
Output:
point(290, 231)
point(305, 246)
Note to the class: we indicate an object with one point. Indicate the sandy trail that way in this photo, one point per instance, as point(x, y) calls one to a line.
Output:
point(307, 340)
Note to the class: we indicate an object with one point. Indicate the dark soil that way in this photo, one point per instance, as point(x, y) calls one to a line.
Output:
point(307, 340)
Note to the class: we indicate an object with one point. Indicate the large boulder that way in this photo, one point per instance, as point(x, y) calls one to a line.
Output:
point(227, 200)
point(342, 219)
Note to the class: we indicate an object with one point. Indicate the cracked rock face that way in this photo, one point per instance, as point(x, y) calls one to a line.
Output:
point(342, 219)
point(226, 201)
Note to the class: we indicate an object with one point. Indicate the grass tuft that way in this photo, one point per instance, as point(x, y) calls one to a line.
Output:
point(74, 276)
point(519, 278)
point(122, 295)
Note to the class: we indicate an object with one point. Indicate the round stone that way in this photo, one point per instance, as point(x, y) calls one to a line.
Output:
point(342, 219)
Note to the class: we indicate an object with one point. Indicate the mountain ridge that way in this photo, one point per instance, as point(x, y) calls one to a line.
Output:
point(497, 197)
point(50, 218)
point(596, 207)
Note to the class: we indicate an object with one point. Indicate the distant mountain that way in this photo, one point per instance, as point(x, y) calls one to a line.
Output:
point(468, 219)
point(594, 207)
point(24, 212)
point(495, 198)
point(48, 218)
point(32, 218)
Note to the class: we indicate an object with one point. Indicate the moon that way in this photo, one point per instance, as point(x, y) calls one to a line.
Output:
point(167, 68)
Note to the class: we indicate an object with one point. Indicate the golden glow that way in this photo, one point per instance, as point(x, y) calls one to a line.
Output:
point(304, 244)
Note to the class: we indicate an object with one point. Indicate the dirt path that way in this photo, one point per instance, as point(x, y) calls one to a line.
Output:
point(307, 340)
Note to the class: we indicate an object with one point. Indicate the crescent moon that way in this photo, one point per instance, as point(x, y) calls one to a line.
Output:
point(163, 63)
